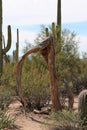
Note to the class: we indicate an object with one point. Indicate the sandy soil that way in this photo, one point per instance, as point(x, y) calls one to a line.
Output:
point(26, 123)
point(31, 121)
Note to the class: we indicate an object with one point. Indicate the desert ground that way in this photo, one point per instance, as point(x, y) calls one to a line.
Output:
point(30, 121)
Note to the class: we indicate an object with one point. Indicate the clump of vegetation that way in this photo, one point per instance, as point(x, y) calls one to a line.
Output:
point(71, 120)
point(65, 119)
point(7, 86)
point(5, 99)
point(5, 120)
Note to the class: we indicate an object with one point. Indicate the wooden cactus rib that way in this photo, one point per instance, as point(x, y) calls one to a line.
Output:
point(46, 46)
point(20, 63)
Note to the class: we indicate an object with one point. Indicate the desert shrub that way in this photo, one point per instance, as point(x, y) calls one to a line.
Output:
point(68, 120)
point(35, 81)
point(65, 119)
point(7, 85)
point(5, 97)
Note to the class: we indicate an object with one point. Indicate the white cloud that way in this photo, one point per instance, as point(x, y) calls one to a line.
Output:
point(18, 12)
point(74, 10)
point(27, 12)
point(26, 36)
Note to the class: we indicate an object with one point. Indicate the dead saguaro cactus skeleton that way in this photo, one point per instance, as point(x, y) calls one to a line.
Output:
point(48, 52)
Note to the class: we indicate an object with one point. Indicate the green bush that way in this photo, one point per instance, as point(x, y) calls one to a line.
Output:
point(35, 81)
point(65, 119)
point(5, 97)
point(68, 120)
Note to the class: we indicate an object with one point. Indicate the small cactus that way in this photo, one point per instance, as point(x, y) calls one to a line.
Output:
point(82, 106)
point(53, 30)
point(47, 32)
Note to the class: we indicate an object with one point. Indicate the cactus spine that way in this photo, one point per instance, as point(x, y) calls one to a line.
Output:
point(6, 49)
point(82, 106)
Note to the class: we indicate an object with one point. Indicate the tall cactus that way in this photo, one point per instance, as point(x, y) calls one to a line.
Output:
point(59, 15)
point(82, 105)
point(17, 46)
point(59, 26)
point(6, 49)
point(1, 37)
point(16, 52)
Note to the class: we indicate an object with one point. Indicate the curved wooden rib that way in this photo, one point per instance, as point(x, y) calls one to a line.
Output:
point(35, 49)
point(48, 52)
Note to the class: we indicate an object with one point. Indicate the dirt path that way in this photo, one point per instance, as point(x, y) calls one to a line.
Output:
point(25, 123)
point(31, 121)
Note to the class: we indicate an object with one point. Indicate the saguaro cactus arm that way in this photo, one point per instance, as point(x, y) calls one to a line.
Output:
point(47, 32)
point(6, 49)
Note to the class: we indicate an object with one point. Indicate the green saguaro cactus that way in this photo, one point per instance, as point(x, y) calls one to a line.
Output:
point(53, 31)
point(59, 16)
point(17, 46)
point(6, 49)
point(46, 32)
point(82, 106)
point(58, 27)
point(16, 52)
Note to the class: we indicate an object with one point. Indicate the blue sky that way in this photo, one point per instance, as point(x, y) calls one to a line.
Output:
point(27, 16)
point(78, 27)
